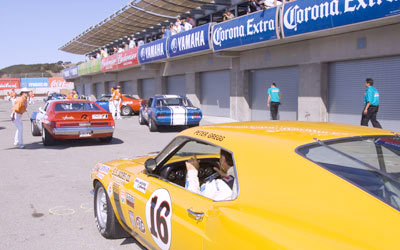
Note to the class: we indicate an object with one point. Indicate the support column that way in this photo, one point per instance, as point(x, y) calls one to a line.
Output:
point(161, 84)
point(239, 92)
point(192, 81)
point(313, 85)
point(100, 88)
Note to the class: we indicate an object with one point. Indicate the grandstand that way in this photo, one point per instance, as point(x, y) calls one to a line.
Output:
point(319, 52)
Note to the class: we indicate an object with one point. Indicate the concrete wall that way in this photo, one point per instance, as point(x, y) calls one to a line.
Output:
point(311, 56)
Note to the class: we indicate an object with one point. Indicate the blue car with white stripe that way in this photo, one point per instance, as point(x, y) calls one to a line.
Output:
point(169, 110)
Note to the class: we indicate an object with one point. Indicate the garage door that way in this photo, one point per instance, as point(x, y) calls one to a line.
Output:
point(127, 88)
point(108, 86)
point(176, 85)
point(346, 90)
point(79, 89)
point(287, 80)
point(215, 93)
point(99, 90)
point(148, 88)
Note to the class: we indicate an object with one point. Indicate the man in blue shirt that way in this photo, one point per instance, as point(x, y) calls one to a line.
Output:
point(274, 98)
point(371, 104)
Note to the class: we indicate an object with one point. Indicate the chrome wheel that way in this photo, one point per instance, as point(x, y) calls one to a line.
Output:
point(101, 207)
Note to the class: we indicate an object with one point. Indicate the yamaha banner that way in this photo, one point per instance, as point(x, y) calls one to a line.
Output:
point(34, 82)
point(313, 15)
point(70, 72)
point(253, 28)
point(153, 51)
point(190, 41)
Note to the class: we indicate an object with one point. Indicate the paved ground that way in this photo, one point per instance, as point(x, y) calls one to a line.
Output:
point(44, 191)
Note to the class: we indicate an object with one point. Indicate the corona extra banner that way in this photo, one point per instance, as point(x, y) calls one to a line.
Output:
point(253, 28)
point(301, 17)
point(59, 82)
point(34, 82)
point(10, 83)
point(189, 42)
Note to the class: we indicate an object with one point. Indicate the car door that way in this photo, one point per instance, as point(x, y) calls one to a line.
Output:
point(168, 216)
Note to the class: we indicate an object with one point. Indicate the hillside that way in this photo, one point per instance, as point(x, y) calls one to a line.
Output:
point(33, 70)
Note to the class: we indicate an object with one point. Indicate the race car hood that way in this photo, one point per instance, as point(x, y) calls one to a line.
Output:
point(134, 165)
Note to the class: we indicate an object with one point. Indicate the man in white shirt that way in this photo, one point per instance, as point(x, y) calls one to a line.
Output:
point(132, 43)
point(186, 26)
point(216, 189)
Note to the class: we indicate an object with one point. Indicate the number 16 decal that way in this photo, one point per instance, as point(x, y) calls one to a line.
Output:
point(158, 216)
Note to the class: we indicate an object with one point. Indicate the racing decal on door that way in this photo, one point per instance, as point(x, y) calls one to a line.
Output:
point(140, 224)
point(158, 217)
point(110, 190)
point(140, 185)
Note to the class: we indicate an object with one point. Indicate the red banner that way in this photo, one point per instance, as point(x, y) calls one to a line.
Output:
point(10, 83)
point(109, 63)
point(127, 58)
point(59, 82)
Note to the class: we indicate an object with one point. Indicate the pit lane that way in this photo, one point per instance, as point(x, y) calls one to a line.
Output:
point(45, 195)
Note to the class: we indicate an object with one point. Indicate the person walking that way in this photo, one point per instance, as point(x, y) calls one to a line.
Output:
point(274, 100)
point(13, 96)
point(371, 104)
point(117, 101)
point(19, 108)
point(31, 97)
point(111, 103)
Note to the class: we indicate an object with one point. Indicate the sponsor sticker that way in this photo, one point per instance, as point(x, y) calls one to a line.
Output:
point(122, 196)
point(110, 190)
point(132, 218)
point(104, 169)
point(140, 224)
point(140, 185)
point(123, 176)
point(101, 116)
point(130, 200)
point(100, 176)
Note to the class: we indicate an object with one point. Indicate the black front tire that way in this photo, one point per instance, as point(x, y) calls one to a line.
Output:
point(152, 125)
point(126, 110)
point(141, 119)
point(109, 229)
point(34, 129)
point(47, 139)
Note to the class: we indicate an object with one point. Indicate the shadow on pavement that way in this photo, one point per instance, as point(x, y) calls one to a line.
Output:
point(2, 128)
point(128, 241)
point(171, 129)
point(63, 144)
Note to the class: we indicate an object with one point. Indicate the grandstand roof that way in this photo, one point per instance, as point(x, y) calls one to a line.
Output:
point(137, 16)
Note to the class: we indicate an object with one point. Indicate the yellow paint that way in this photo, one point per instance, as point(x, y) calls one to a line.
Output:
point(284, 201)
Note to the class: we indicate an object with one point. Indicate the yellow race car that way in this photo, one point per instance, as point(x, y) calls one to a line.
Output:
point(289, 185)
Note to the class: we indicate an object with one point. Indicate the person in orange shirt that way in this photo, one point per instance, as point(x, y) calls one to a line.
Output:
point(74, 94)
point(31, 96)
point(19, 108)
point(116, 97)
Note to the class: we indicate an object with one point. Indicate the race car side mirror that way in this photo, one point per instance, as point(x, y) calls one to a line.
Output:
point(150, 165)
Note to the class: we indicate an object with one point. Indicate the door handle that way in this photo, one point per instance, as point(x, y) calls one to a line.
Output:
point(197, 215)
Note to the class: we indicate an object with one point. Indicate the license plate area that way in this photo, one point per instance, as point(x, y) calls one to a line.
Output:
point(84, 124)
point(85, 134)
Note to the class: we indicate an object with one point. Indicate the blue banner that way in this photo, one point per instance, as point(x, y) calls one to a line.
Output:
point(190, 41)
point(249, 29)
point(303, 16)
point(34, 82)
point(70, 72)
point(153, 51)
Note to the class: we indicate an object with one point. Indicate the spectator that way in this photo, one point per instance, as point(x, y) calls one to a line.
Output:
point(125, 45)
point(165, 32)
point(31, 97)
point(19, 108)
point(177, 28)
point(228, 16)
point(190, 20)
point(132, 43)
point(13, 96)
point(186, 26)
point(252, 6)
point(121, 48)
point(271, 3)
point(140, 42)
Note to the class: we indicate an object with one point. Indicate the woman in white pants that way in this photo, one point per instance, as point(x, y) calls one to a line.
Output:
point(111, 105)
point(19, 108)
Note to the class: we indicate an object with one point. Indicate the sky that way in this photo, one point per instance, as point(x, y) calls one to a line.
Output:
point(32, 31)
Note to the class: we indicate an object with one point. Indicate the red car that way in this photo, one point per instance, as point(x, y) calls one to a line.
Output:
point(72, 119)
point(129, 105)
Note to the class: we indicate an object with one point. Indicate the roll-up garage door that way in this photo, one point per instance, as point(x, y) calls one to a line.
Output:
point(215, 93)
point(346, 90)
point(148, 88)
point(99, 90)
point(79, 88)
point(287, 80)
point(127, 88)
point(176, 85)
point(108, 86)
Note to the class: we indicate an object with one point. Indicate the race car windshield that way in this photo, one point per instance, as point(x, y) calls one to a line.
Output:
point(174, 102)
point(75, 106)
point(371, 163)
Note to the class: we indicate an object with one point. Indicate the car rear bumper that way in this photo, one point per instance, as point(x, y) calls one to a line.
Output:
point(78, 131)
